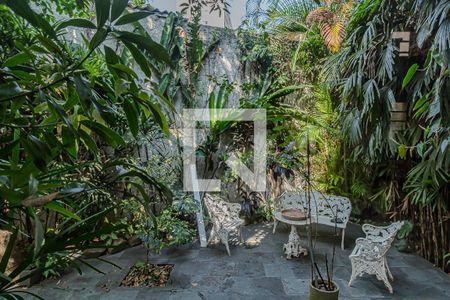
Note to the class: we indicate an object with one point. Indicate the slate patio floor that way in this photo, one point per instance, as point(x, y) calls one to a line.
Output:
point(250, 273)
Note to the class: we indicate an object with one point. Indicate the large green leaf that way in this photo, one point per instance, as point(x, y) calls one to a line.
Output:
point(409, 75)
point(102, 8)
point(39, 235)
point(105, 111)
point(222, 96)
point(83, 90)
point(87, 222)
point(8, 251)
point(82, 23)
point(60, 209)
point(139, 58)
point(111, 56)
point(132, 115)
point(117, 8)
point(9, 89)
point(157, 113)
point(98, 38)
point(59, 111)
point(38, 150)
point(132, 17)
point(167, 30)
point(88, 141)
point(282, 92)
point(161, 97)
point(144, 42)
point(17, 59)
point(21, 8)
point(125, 69)
point(402, 151)
point(109, 135)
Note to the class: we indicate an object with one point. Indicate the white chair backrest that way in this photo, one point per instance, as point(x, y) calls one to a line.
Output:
point(221, 210)
point(334, 207)
point(292, 200)
point(325, 206)
point(386, 234)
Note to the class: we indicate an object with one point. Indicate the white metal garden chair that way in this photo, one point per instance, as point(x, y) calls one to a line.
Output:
point(369, 254)
point(225, 219)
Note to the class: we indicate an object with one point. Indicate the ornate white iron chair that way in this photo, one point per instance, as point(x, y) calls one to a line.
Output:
point(225, 219)
point(369, 254)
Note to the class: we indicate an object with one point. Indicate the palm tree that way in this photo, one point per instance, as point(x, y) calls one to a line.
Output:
point(293, 18)
point(214, 5)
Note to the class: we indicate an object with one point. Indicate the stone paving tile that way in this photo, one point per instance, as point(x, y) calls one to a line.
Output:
point(50, 293)
point(296, 286)
point(301, 271)
point(361, 289)
point(241, 296)
point(277, 270)
point(253, 255)
point(406, 289)
point(262, 286)
point(119, 293)
point(412, 260)
point(250, 269)
point(211, 284)
point(410, 274)
point(261, 272)
point(177, 255)
point(151, 294)
point(221, 268)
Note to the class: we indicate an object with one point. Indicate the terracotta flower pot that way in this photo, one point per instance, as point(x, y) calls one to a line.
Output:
point(319, 294)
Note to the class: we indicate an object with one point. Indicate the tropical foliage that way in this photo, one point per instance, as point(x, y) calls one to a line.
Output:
point(384, 168)
point(71, 110)
point(412, 165)
point(90, 150)
point(293, 18)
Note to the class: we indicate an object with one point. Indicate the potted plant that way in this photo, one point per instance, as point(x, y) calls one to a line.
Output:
point(320, 288)
point(323, 289)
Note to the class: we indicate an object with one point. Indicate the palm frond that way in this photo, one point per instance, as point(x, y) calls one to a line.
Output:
point(333, 35)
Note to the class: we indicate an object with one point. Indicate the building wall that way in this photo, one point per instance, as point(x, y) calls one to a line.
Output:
point(224, 62)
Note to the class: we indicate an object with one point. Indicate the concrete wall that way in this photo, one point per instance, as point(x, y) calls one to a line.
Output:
point(224, 62)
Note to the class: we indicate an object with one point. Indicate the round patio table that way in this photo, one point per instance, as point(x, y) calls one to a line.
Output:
point(293, 248)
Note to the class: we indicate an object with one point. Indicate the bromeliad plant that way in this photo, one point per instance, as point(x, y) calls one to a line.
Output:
point(65, 106)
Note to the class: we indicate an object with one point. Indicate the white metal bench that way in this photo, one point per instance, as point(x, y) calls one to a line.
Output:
point(369, 254)
point(325, 209)
point(225, 219)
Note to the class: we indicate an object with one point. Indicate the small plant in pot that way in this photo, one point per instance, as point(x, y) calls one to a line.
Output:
point(322, 293)
point(321, 288)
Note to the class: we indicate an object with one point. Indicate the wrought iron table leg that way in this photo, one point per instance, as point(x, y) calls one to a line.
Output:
point(293, 247)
